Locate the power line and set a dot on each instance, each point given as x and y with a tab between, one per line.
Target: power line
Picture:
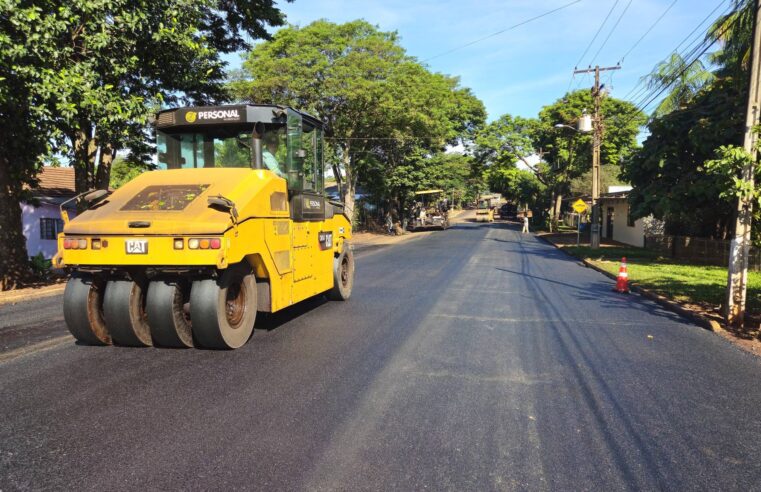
641	88
502	31
613	29
690	59
597	33
641	107
652	26
599	29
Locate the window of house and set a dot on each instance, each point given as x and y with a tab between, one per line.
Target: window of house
49	228
629	218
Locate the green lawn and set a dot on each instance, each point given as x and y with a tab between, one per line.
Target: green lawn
699	284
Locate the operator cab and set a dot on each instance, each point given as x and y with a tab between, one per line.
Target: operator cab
279	139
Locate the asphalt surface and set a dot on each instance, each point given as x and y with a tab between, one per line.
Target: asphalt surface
477	358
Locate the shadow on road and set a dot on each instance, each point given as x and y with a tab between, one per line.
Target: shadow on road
272	321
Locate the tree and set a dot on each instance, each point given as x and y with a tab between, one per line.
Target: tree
383	110
685	81
682	173
564	155
668	173
518	185
125	169
80	79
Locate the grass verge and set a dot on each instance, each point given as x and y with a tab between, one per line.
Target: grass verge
700	285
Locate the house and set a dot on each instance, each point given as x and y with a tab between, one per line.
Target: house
617	222
41	216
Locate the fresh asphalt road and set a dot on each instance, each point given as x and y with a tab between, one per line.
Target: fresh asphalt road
476	358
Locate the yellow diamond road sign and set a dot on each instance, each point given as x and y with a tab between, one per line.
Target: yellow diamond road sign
580	206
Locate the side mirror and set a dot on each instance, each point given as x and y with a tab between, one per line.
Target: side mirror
95	195
219	202
224	203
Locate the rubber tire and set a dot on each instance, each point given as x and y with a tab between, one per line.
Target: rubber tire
124	312
342	287
83	309
164	306
208	309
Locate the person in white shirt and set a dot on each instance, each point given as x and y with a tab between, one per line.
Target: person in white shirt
271	142
525	223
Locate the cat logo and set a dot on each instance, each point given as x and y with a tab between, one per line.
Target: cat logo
190	116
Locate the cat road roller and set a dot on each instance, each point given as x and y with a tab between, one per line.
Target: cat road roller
233	221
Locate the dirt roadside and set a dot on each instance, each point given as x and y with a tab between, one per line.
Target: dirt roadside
362	241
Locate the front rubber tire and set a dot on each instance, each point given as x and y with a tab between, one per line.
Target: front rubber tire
165	308
124	312
83	309
223	311
343	275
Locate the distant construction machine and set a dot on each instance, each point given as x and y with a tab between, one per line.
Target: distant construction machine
431	211
486	206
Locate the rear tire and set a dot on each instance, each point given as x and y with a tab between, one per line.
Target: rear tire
124	312
223	310
343	275
165	308
83	309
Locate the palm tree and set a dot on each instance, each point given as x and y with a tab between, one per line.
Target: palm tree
689	80
734	32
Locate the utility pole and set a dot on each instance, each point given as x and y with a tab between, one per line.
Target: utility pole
737	278
596	142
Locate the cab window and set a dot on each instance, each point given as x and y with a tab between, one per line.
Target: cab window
197	150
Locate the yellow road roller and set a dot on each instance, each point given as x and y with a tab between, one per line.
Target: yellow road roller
233	222
485	209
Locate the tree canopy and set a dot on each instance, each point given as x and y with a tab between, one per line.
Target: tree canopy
686	172
564	155
385	112
80	79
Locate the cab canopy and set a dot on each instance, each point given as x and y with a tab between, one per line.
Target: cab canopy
259	136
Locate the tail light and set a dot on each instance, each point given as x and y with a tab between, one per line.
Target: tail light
204	243
75	244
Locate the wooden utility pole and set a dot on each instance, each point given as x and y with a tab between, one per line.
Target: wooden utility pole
596	142
737	278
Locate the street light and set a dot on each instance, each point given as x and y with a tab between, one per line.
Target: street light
561	125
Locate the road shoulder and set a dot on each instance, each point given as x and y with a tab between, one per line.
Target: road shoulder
698	317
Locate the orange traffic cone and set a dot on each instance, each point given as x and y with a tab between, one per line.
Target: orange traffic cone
622	283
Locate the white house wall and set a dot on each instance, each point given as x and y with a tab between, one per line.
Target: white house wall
634	236
30	217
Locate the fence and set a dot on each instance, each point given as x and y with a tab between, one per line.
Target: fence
699	250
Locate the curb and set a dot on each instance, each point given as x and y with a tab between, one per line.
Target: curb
700	320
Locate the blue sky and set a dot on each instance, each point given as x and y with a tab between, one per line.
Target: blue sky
525	68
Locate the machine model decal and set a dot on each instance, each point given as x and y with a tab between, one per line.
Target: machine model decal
326	240
137	246
311	204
